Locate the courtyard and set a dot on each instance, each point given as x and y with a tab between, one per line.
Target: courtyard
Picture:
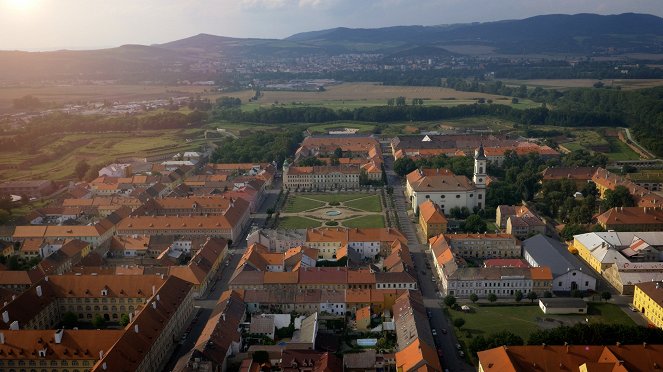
357	209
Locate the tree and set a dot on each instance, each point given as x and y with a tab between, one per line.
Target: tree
92	173
532	296
459	323
606	296
69	319
519	295
81	169
501	193
338	152
619	197
474	223
311	161
450	300
400	101
98	321
474	298
515	100
124	320
404	166
570	230
492	297
260	356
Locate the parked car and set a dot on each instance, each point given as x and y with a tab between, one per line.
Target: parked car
458	347
461	354
633	308
434	332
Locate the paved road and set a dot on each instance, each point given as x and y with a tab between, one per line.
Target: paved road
628	135
429	290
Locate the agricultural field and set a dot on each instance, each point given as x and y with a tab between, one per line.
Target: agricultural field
594	140
60	94
626	84
354	95
100	148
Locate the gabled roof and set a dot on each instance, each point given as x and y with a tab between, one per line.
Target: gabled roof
430	213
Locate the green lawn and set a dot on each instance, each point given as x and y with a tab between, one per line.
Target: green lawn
296	222
522	320
365	221
328	198
367	204
324	128
299	204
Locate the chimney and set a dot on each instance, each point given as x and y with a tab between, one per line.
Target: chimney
158	297
46	278
136	328
14	326
131	317
39	292
58	336
223	316
101	355
5	316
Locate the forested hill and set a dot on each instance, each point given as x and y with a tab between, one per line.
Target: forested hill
556	33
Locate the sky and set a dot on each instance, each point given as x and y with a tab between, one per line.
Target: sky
89	24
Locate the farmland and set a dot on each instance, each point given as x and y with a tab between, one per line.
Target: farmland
627	84
60	94
354	95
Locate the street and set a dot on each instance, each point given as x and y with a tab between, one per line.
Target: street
445	342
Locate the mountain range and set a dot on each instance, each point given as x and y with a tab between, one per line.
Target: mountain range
549	35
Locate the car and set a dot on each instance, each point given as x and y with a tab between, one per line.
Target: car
461	354
429	314
434	332
444	331
633	308
458	347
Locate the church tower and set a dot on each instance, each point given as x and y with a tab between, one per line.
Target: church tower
480	163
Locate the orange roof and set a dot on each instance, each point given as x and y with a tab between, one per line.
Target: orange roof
541	273
362	296
428	210
276	277
361	277
364	312
74	345
418	356
631	216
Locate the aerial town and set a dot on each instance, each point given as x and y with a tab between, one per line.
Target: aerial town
471	194
191	265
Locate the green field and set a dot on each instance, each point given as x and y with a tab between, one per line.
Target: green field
620	151
297	222
324	128
367	204
524	320
331	198
365	221
296	204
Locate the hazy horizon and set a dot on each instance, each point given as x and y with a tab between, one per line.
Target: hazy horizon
41	25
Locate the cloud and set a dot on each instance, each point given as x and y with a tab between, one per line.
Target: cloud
283	4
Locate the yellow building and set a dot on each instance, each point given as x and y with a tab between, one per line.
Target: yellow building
648	298
431	220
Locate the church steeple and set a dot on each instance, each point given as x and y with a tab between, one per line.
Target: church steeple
480	163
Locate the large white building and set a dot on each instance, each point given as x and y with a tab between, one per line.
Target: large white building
448	190
567	270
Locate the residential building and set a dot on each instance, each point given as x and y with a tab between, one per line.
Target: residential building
632	219
533	358
115	170
605	180
519	221
324	177
480	245
648	299
431	220
622	258
579	175
31	189
416	347
276	240
363	318
569	273
368	242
